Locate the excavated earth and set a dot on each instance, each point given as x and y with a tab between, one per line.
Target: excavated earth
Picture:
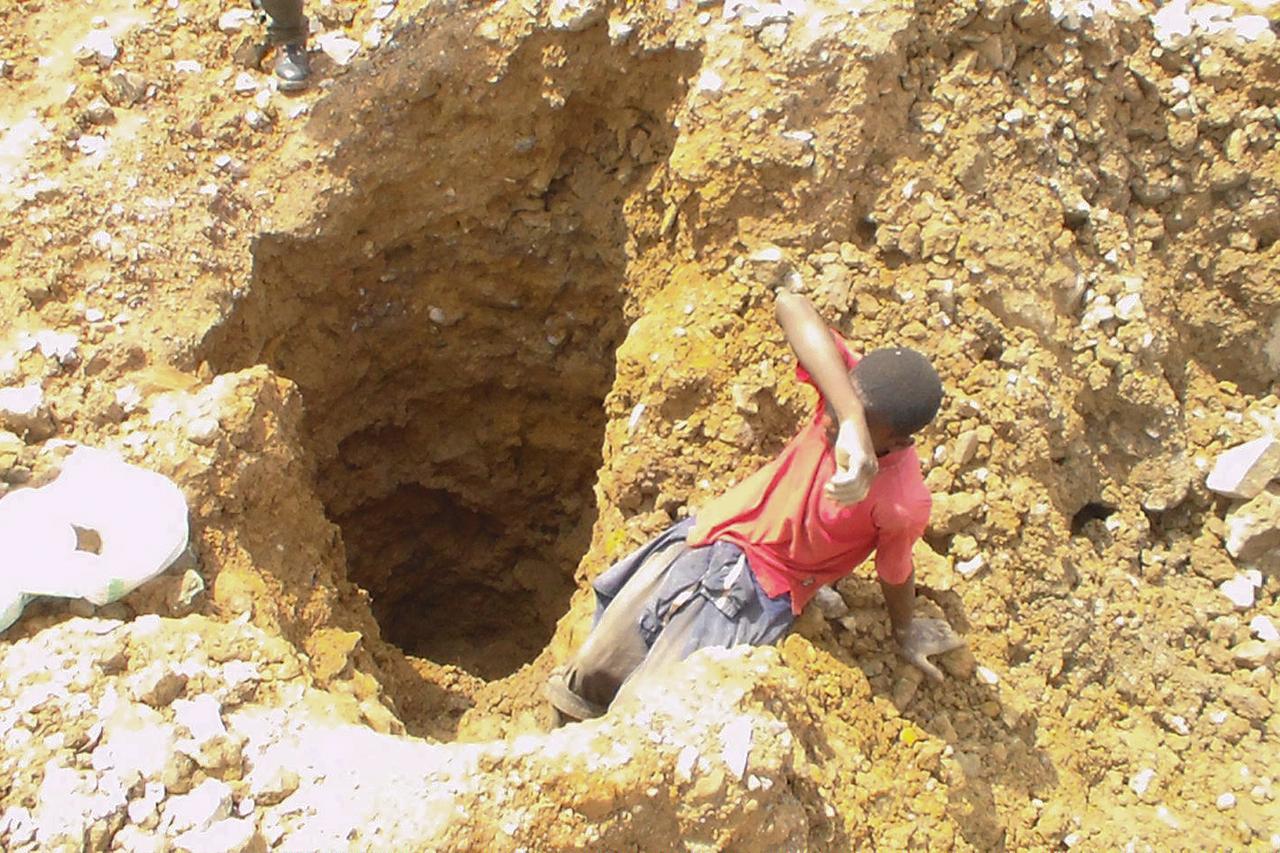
429	345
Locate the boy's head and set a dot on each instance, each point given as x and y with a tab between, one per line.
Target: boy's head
900	394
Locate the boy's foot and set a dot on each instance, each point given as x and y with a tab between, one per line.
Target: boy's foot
292	66
568	703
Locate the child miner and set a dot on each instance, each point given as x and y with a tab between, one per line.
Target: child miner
848	484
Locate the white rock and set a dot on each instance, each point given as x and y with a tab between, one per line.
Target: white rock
90	144
187	66
709	81
23	410
202	717
245	83
17	825
270	781
1139	782
1239	590
1244	471
685	762
132	839
206	804
234	835
60	346
234	20
575	15
203	430
141	809
735	743
830	603
1253	528
1226	801
766	254
101	46
338	47
987	676
969	568
1264	629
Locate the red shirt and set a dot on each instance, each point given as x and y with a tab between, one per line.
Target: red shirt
796	539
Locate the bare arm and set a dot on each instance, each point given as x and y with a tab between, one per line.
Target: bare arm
811	341
918	639
900	601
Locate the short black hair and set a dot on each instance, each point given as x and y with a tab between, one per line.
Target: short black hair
899	388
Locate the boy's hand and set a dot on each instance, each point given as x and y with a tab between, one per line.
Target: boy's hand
924	638
856	465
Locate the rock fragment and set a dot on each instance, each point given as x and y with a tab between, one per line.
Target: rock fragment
1239	590
24	411
232	835
1244	471
97	47
124	88
830	603
338	47
205	805
1253	528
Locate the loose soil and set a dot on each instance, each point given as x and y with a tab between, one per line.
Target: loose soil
492	304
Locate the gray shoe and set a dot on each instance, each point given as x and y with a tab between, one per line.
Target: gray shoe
292	66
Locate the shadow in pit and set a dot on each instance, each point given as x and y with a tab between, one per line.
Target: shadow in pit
449	308
991	744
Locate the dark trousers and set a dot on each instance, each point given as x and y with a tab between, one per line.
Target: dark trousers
287	24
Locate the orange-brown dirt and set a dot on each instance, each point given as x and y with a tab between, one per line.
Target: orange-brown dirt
431	344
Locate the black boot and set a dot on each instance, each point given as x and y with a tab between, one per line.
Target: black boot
292	66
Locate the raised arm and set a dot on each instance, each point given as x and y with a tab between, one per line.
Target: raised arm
811	341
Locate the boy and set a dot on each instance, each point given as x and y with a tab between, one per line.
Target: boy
847	484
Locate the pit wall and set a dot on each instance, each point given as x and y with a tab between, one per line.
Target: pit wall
1074	221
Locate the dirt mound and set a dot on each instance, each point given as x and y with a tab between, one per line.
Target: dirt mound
429	346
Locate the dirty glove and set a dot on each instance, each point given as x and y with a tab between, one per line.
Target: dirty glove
924	638
856	465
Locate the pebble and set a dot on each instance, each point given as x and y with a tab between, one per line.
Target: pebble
125	88
987	676
90	144
98	47
1239	590
970	567
830	603
1141	781
338	47
965	447
99	112
1226	801
1264	629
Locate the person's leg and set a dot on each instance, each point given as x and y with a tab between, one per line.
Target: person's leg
616	645
728	608
287	30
